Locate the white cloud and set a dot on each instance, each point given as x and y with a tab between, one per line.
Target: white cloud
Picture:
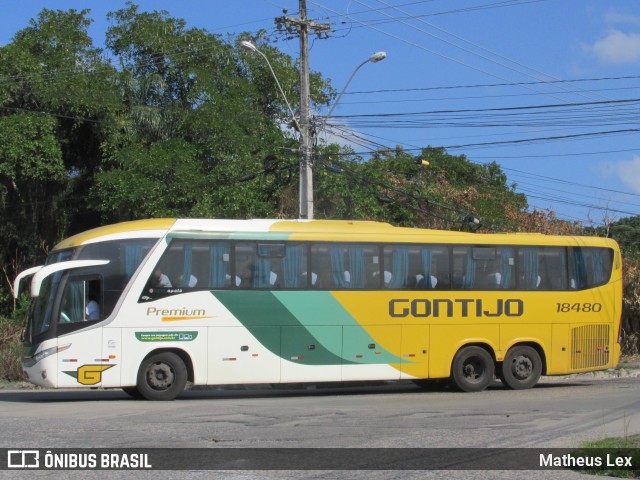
614	17
628	171
617	47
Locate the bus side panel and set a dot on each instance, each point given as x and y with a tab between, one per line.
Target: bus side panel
558	360
312	353
415	351
81	364
237	355
532	333
446	340
367	352
138	343
112	351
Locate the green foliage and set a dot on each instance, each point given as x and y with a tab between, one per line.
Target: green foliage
51	109
626	446
200	114
626	232
29	149
394	186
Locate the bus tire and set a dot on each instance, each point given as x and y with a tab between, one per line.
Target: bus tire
162	376
472	369
521	368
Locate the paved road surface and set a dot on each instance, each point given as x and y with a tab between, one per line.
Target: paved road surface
555	414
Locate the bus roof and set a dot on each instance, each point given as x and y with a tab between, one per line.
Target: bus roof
156	227
322	230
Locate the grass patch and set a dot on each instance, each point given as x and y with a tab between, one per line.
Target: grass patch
608	449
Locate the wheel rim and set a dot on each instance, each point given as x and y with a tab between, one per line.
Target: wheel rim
160	376
473	370
522	367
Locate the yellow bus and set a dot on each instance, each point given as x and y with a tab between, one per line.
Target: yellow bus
150	305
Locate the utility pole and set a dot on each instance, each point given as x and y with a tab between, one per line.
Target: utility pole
301	26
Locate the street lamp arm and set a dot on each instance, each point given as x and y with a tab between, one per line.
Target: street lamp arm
376	57
253	48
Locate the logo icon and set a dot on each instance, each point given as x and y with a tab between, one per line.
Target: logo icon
89	374
23	459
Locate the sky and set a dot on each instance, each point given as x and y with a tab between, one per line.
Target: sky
548	89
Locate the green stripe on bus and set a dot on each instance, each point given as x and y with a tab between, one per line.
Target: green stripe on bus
311	322
314	309
299	344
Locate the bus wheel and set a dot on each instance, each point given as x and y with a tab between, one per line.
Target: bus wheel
162	377
521	368
472	369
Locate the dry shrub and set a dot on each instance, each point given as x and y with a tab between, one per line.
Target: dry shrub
10	349
631	308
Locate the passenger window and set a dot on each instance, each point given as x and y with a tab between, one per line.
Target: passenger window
413	267
272	266
553	268
589	267
346	266
191	265
484	268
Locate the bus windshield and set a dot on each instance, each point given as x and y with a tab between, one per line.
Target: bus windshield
41	307
70	298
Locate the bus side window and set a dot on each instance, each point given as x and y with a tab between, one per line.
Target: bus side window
320	267
589	267
553	268
294	268
352	266
81	300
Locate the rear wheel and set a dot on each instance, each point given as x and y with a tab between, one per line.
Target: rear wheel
162	377
472	370
521	368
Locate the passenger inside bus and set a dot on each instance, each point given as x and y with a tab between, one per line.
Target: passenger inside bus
420	281
160	279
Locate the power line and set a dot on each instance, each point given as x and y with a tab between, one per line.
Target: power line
496	109
479	97
490	85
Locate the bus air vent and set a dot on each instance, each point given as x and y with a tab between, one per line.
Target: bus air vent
589	346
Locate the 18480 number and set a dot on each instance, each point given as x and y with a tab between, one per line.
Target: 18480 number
578	307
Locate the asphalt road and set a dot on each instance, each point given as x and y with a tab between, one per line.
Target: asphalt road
555	414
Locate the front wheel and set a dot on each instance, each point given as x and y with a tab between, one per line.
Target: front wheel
472	369
162	377
521	368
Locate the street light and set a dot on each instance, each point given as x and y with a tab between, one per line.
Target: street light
306	171
375	58
304	127
251	47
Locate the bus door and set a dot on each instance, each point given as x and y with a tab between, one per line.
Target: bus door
80	361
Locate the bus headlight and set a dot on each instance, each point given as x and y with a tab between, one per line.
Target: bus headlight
44	354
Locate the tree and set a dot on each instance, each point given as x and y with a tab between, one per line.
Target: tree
395	186
201	115
55	92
